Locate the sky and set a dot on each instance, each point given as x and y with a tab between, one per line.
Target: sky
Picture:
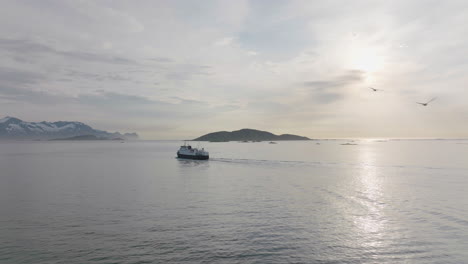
181	69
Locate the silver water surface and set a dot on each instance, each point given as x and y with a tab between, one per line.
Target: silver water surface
291	202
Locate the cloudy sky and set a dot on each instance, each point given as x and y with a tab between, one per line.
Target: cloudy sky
180	69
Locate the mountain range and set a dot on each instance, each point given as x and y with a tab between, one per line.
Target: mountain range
14	128
247	134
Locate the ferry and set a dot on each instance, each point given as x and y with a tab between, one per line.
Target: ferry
187	152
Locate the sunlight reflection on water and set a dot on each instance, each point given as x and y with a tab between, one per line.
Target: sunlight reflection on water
371	222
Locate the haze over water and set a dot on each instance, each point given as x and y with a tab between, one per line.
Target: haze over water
293	202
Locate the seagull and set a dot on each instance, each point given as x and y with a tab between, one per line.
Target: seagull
425	104
375	90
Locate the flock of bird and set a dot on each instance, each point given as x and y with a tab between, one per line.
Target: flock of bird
423	104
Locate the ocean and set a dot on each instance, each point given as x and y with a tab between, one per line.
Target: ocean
379	201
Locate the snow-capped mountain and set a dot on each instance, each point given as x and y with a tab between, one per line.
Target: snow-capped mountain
14	128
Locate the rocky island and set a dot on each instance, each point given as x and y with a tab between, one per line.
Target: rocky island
247	134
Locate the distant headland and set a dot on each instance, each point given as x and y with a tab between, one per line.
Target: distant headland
86	138
12	128
247	134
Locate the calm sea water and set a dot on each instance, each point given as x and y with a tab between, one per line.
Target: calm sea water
293	202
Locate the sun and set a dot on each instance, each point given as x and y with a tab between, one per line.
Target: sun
366	58
367	63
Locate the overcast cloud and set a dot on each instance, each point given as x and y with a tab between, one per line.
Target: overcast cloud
179	69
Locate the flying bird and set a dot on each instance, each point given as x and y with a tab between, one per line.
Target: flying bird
375	90
426	103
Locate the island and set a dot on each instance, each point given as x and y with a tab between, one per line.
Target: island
247	134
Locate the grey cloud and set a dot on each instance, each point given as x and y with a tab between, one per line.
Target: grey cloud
186	101
184	72
65	80
226	108
15	85
179	76
161	59
327	97
85	75
142	107
100	99
269	107
124	105
97	77
23	60
28	51
115	99
87	56
19	77
22	47
30	96
141	71
329	91
350	77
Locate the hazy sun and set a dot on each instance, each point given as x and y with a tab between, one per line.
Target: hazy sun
366	58
367	63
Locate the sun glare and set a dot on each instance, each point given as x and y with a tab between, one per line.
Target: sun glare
367	62
366	58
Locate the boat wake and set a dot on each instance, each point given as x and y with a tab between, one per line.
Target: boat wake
259	162
292	163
